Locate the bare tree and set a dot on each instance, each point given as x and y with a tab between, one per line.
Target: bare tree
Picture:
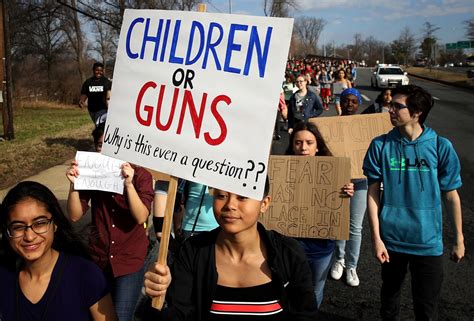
357	48
469	28
72	27
279	8
428	44
105	44
403	48
373	50
308	30
37	32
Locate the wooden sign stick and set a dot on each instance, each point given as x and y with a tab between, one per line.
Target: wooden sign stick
157	302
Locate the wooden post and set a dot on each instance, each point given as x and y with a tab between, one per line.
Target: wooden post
5	74
157	302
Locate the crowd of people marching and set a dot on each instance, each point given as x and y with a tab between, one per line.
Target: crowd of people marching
224	265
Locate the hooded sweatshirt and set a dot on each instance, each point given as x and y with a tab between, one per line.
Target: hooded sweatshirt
413	173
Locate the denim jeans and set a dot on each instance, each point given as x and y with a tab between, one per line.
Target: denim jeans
350	249
125	292
320	268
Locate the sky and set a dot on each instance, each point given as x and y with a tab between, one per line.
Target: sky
382	19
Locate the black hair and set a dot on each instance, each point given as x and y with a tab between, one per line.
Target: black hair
418	100
323	149
97	65
379	98
65	239
98	132
266	190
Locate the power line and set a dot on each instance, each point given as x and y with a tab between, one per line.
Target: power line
87	14
212	5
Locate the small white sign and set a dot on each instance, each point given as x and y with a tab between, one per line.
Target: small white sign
98	172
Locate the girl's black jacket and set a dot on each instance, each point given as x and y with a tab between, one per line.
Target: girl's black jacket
195	277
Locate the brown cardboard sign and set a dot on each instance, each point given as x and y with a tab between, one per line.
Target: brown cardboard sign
350	136
306	197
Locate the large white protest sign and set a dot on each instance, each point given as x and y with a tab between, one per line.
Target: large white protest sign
99	173
195	95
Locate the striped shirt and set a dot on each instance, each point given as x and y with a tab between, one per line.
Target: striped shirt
259	302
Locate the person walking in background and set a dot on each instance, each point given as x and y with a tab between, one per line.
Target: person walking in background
196	210
346	255
304	104
325	80
45	270
120	245
96	90
353	74
306	140
418	169
382	103
338	86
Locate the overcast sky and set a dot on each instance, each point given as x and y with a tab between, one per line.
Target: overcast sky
382	19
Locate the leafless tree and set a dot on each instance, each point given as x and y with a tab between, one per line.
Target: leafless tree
308	30
279	8
72	26
428	44
469	28
37	32
357	49
105	44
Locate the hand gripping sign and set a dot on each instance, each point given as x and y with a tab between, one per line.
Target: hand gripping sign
195	96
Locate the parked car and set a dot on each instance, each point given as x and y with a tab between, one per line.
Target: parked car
470	61
388	76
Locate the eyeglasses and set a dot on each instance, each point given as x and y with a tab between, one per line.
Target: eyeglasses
300	81
16	230
397	106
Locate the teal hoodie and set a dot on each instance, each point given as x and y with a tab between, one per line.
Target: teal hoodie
413	174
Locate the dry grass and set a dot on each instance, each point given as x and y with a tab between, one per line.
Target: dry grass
44	137
443	75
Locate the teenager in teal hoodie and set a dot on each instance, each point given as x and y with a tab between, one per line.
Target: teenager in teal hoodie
417	169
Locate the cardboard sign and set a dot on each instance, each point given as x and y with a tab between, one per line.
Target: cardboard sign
306	197
350	136
98	172
195	95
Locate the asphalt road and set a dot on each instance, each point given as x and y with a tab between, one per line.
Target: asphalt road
452	117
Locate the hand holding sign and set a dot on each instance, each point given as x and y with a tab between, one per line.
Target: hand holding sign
94	171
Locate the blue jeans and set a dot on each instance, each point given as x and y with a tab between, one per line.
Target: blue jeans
350	249
320	268
125	292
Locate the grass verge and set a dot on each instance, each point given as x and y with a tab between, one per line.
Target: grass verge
45	135
442	75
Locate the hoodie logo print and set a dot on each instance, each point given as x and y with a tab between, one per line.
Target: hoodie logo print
409	164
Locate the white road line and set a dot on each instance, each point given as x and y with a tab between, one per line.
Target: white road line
367	98
436	98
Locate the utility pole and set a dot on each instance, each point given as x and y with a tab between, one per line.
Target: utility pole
230	6
5	75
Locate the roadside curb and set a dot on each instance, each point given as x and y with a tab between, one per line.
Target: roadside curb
447	83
